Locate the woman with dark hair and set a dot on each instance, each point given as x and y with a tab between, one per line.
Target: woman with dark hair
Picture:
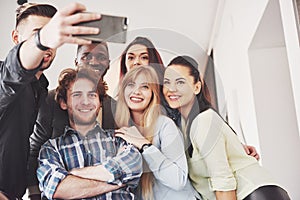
219	168
139	52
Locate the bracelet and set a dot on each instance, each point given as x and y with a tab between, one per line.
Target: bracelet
144	147
38	41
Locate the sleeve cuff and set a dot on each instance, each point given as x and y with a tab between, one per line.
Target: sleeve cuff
115	171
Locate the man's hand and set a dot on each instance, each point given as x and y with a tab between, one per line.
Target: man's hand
60	28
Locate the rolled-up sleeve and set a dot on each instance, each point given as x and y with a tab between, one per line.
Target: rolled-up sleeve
211	142
222	177
126	166
51	170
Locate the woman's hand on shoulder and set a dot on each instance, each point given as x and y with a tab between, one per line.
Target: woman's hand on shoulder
131	135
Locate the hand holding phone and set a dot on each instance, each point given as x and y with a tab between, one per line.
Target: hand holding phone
112	29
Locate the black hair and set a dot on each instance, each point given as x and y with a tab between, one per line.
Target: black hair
203	98
28	9
93	43
155	60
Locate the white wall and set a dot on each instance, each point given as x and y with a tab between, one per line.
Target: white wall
293	51
239	22
258	69
169	24
276	117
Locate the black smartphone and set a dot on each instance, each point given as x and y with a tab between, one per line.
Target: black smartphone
112	29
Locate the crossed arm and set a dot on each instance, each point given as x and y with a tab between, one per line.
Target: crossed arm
57	182
84	182
73	187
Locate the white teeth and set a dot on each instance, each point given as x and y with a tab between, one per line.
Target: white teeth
173	97
85	110
136	99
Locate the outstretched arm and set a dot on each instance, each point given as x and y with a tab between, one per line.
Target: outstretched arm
57	32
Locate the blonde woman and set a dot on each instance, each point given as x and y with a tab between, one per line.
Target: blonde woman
138	112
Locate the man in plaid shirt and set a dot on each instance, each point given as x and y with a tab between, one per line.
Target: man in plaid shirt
86	160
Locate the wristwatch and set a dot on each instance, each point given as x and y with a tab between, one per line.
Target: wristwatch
38	43
144	147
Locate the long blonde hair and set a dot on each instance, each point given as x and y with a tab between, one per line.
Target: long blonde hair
150	116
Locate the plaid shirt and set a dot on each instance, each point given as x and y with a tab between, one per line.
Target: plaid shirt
71	150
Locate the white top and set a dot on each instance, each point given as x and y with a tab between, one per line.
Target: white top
219	161
167	160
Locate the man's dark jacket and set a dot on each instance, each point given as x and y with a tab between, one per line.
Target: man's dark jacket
20	97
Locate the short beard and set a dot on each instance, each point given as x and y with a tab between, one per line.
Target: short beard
78	121
43	69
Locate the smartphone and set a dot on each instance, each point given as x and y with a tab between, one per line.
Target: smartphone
112	29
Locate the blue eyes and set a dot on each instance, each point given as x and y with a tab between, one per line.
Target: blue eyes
142	87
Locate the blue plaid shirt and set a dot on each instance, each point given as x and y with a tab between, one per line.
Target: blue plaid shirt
71	150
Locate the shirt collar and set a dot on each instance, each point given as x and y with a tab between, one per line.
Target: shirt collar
44	81
69	131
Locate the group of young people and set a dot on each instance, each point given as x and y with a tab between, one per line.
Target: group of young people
159	139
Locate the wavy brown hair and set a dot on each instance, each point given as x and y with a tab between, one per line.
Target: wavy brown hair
69	75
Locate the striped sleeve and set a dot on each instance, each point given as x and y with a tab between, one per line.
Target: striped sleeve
126	166
51	170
